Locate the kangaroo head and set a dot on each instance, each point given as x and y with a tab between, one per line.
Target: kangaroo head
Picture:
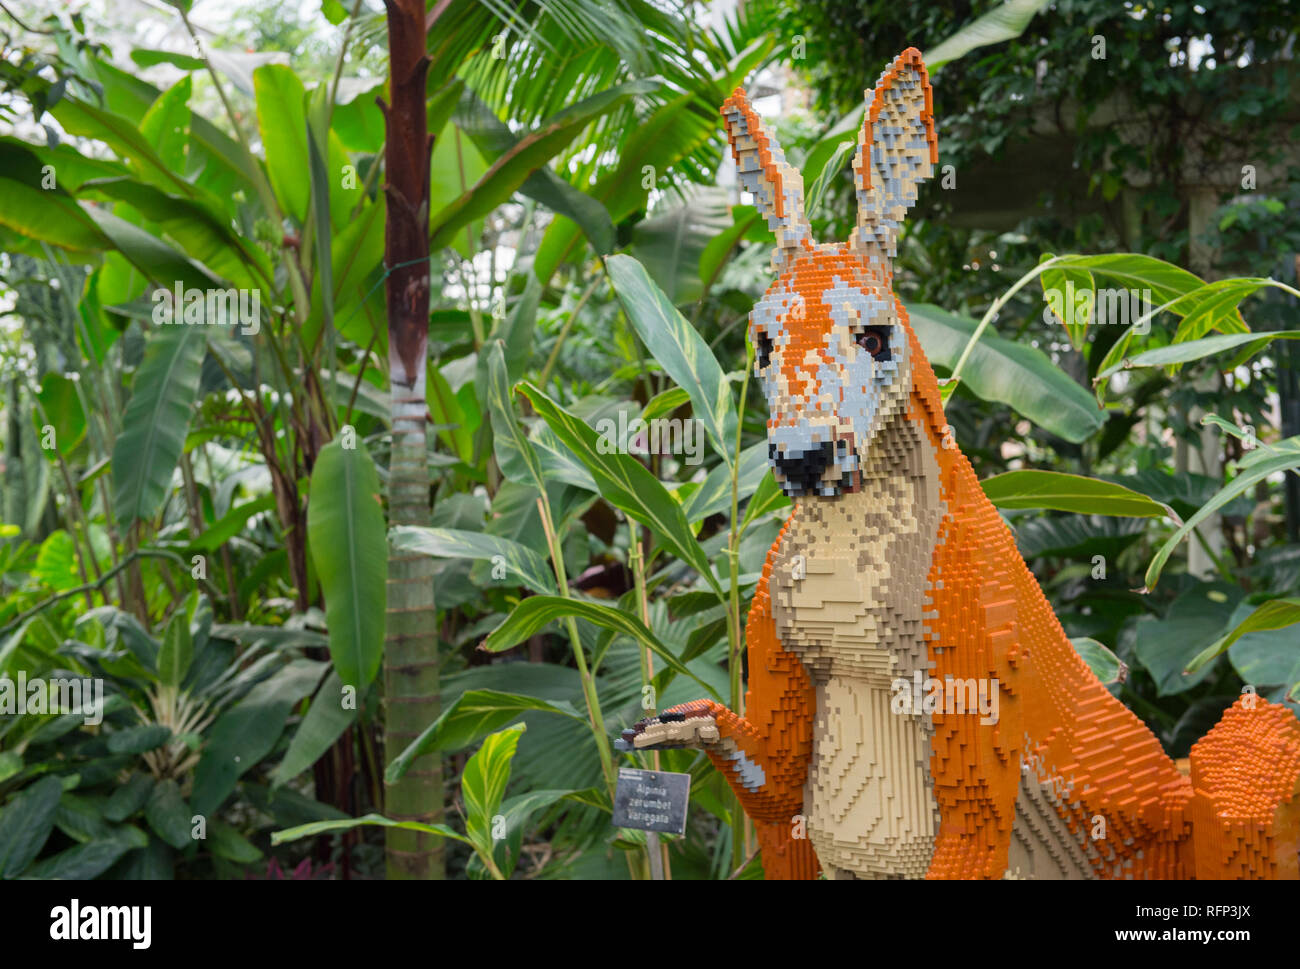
833	350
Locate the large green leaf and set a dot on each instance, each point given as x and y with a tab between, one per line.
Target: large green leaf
128	798
227	167
1006	22
1105	665
1184	493
166	125
1164	286
282	122
168	814
1266	656
845	131
827	174
483	784
345	525
9	647
324	723
231	524
671	132
1180	353
156	260
72	168
1070	492
11	762
672	241
768	497
206	236
56	562
40	209
79	817
278	637
515	811
535	612
48	216
137	740
514	452
1076	536
1020	376
357	118
713	496
745	224
514	333
148	58
1062	288
494	138
83	862
1214	307
1140	273
320	201
1272	615
523	565
177	650
156	421
680	350
247	732
125	137
1166	646
625	483
326	827
26	822
1262	463
531	152
226	842
456	166
473	715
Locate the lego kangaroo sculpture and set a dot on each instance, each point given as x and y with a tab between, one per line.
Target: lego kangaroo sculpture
893	569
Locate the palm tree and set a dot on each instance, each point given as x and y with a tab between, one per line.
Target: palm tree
411	648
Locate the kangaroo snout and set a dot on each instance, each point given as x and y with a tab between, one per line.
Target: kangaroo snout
800	471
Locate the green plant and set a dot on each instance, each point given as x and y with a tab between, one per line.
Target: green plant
493	825
166	775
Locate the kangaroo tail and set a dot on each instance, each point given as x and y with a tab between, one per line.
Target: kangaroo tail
1246	808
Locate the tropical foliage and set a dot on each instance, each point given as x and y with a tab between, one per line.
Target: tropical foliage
204	519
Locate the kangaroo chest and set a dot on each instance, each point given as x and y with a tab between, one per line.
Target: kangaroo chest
848	598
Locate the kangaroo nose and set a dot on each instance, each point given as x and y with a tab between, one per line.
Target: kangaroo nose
801	469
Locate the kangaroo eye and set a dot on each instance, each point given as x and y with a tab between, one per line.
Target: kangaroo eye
875	340
764	350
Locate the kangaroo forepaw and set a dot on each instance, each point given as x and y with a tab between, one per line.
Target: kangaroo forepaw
669	730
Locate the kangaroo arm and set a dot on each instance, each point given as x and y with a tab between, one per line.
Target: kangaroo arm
764	755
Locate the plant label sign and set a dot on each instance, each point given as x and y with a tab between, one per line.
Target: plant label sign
651	800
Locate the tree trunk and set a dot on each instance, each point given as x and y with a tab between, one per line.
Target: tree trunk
411	647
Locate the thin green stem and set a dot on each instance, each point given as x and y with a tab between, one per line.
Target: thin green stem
343	49
564	332
1219	565
134	555
992	311
369	183
636	560
579	656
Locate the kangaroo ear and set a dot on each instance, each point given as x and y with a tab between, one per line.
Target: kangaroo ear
897	150
776	185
